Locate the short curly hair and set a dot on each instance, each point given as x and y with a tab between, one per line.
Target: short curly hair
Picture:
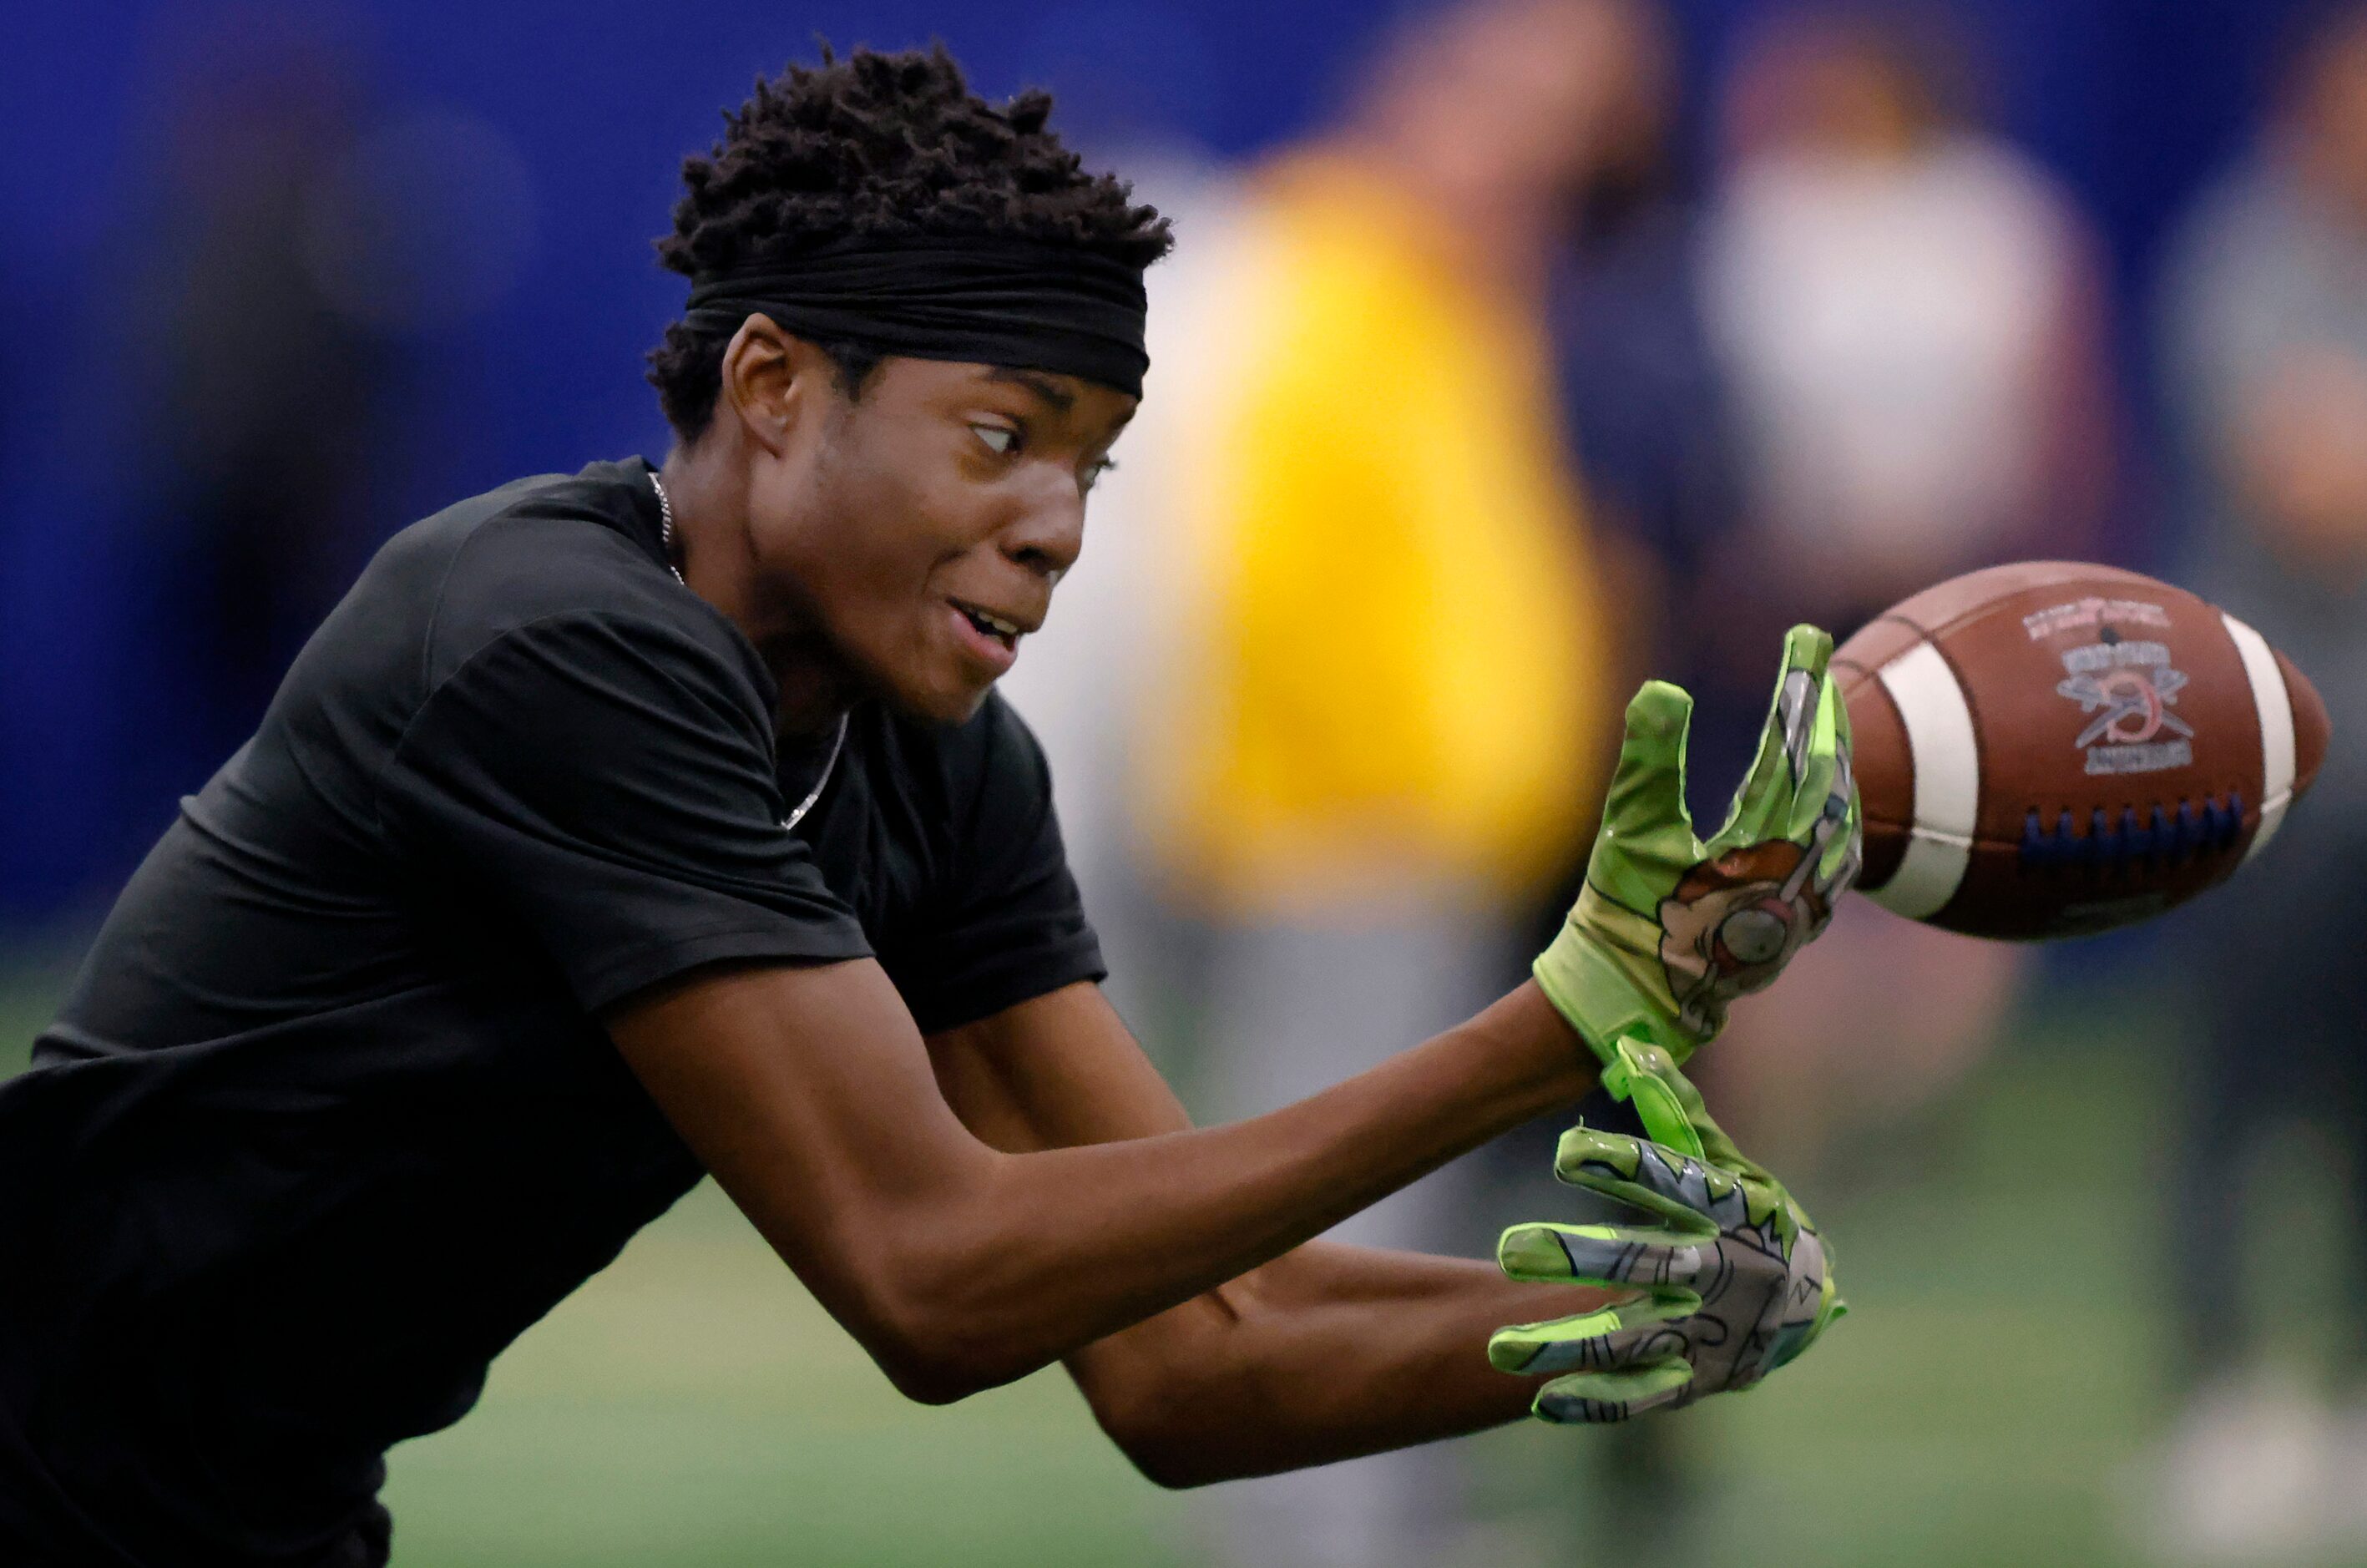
876	144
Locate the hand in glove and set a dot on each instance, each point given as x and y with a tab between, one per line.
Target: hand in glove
1670	929
1733	1282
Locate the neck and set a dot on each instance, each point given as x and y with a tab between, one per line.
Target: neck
713	552
811	711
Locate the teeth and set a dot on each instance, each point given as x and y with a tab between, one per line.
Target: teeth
993	623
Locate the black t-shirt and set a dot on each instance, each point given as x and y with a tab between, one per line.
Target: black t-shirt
329	1118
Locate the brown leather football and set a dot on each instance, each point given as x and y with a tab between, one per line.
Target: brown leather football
2049	749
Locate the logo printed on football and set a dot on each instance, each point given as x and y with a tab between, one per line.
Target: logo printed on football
2049	749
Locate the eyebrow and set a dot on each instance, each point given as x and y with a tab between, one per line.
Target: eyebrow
1051	390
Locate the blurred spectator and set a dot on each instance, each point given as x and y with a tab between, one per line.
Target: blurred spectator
1907	312
1383	715
256	396
1653	429
300	233
2264	355
1910	313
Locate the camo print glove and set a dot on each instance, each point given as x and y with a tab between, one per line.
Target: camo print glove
1732	1283
1669	929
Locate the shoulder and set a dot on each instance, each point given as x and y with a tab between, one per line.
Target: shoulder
551	547
565	554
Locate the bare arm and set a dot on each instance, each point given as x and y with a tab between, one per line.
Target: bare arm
811	1096
1326	1353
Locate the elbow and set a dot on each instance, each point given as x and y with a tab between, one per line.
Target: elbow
929	1364
926	1379
1151	1422
1168	1458
1172	1469
1181	1422
1188	1398
951	1299
937	1348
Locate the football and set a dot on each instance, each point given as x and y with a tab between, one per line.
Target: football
2049	749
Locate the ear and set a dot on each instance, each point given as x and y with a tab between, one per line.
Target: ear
771	379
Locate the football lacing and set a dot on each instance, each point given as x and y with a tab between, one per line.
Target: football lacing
2211	828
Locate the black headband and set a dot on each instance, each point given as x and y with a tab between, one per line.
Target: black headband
994	302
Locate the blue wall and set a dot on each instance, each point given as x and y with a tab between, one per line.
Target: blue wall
2132	101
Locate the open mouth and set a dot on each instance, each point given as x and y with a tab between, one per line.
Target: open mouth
1006	632
993	639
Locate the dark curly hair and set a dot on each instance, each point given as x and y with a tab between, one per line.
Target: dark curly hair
878	145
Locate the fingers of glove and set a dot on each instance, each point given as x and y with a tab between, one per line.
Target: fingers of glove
1855	852
1840	852
1816	798
1844	737
1626	1336
1763	802
1594	1398
1658	1105
1698	1201
1792	1339
1843	847
1813	1304
1668	1105
1671	1109
1604	1256
1660	1180
1645	810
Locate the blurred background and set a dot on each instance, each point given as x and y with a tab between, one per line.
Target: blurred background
1514	350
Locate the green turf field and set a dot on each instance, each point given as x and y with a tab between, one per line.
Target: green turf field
692	1407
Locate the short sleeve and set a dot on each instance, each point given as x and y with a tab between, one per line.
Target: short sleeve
1008	923
608	780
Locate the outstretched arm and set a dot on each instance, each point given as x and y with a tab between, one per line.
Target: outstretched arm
811	1096
1326	1353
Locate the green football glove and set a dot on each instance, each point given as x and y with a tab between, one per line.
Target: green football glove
1734	1282
1669	929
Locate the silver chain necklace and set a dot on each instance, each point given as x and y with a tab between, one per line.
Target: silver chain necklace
838	742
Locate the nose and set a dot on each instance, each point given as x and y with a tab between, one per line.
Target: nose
1047	536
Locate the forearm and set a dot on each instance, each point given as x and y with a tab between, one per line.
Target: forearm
1067	1245
1076	1200
1330	1352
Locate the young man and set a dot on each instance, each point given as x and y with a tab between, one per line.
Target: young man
628	826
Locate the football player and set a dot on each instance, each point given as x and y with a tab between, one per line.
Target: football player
661	820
